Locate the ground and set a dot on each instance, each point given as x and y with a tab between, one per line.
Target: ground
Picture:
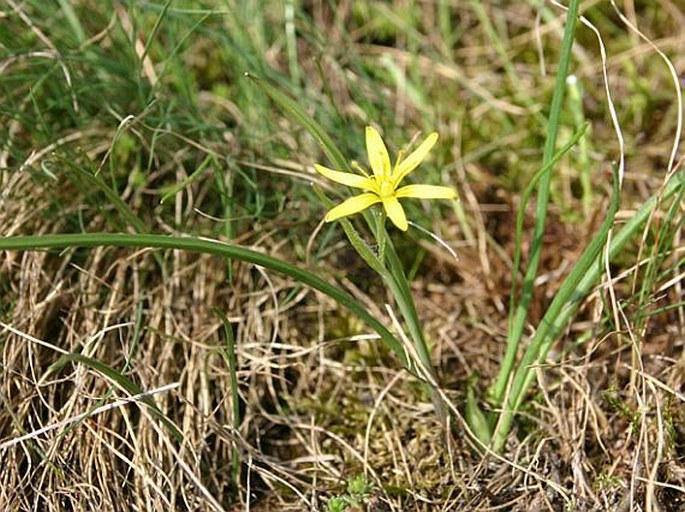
143	378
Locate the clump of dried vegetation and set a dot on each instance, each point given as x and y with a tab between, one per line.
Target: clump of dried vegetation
135	117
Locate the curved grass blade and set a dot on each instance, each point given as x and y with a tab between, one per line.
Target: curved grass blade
208	247
124	383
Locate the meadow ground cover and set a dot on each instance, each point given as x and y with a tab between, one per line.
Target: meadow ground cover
181	329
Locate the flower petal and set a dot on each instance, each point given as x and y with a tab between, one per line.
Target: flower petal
346	178
417	156
395	211
427	192
378	153
352	205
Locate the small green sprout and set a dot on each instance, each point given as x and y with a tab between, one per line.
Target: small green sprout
359	490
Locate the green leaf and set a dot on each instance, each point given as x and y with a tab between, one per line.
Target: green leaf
553	322
78	175
518	320
496	393
208	247
175	189
124	383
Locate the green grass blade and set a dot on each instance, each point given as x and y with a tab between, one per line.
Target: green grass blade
72	19
78	176
498	388
476	418
575	105
291	40
124	383
232	361
187	181
153	33
577	286
516	328
552	324
215	248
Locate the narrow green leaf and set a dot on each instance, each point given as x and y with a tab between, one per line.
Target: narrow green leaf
184	183
498	389
124	383
70	15
208	247
553	322
476	418
78	175
232	361
571	295
542	200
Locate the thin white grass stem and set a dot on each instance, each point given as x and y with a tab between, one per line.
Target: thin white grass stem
30	338
437	239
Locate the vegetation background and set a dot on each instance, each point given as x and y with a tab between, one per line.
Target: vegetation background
137	117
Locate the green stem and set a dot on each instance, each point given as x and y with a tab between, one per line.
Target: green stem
232	361
396	280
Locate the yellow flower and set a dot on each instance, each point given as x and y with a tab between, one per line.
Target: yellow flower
382	186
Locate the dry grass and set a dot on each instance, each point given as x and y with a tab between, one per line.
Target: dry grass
320	400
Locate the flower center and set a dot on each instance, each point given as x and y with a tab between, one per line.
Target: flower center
385	188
